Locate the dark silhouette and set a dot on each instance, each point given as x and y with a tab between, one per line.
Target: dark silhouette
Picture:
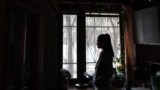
104	67
65	76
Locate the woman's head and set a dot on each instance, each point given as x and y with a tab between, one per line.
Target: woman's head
104	42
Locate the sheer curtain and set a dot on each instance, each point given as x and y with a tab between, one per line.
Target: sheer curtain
70	44
96	25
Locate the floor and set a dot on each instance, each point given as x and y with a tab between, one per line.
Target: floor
88	88
141	88
74	88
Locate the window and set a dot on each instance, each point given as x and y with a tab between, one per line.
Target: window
100	23
70	44
96	23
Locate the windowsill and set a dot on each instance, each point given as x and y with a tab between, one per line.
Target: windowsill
140	88
156	63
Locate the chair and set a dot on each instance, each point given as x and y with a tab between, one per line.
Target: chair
65	76
155	81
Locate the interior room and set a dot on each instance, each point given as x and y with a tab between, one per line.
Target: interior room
51	44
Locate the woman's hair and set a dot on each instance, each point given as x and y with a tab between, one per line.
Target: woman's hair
105	38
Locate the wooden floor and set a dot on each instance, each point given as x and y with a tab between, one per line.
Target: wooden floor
74	88
88	88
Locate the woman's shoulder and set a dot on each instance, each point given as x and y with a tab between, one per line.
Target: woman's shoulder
107	54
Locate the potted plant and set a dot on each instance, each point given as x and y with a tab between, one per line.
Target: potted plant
119	64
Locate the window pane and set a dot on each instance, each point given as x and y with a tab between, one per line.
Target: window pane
70	44
69	20
90	68
73	71
90	21
94	27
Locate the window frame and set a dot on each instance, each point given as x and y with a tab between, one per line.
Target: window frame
81	62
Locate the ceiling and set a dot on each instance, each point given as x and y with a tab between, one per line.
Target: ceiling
110	1
98	1
105	5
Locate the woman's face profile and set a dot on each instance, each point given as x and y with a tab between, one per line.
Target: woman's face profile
99	44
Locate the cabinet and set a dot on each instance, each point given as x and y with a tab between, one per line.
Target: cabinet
146	26
146	54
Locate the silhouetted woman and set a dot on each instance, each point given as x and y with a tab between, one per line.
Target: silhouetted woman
104	67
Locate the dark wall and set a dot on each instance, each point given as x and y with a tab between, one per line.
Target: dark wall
51	47
46	66
146	49
145	54
3	40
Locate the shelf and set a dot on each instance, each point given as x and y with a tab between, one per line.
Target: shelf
151	62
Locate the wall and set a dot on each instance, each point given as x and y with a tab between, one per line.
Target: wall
3	40
46	66
146	49
144	54
51	59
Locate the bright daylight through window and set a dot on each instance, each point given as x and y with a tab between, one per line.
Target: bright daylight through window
96	23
